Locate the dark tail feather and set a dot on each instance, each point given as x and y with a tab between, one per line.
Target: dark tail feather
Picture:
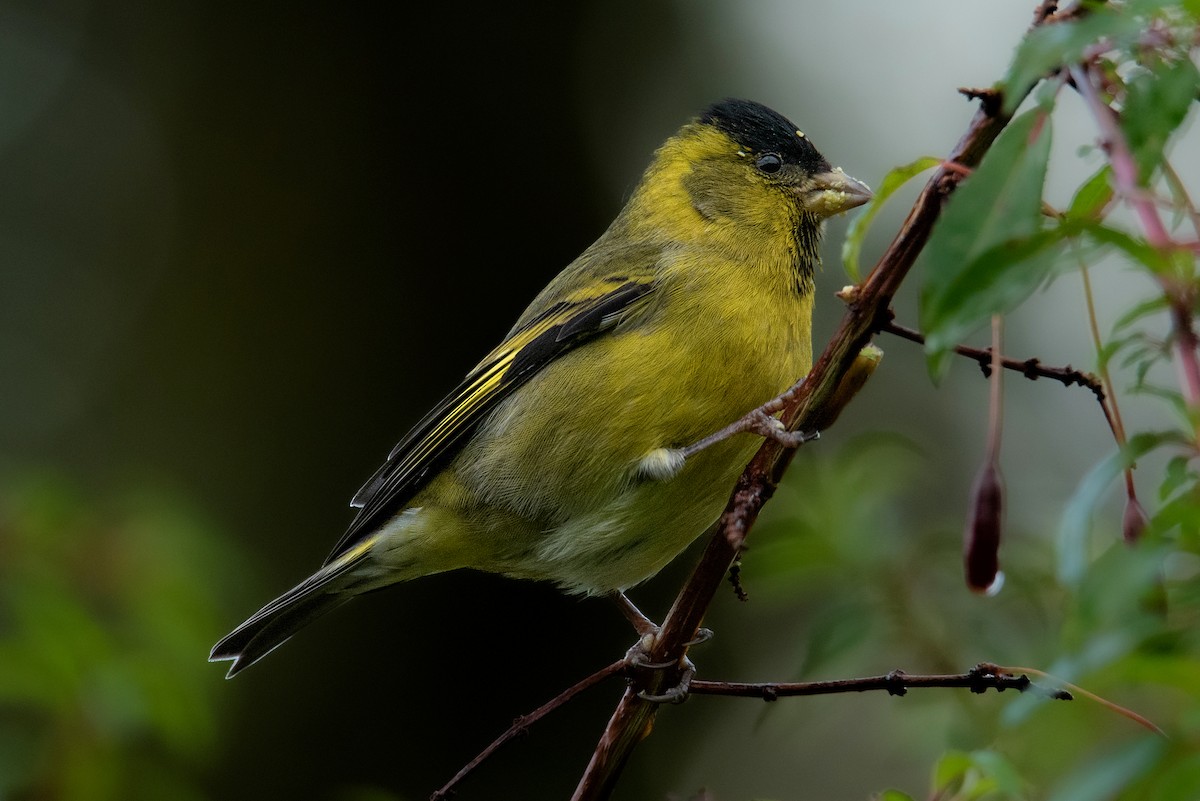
272	625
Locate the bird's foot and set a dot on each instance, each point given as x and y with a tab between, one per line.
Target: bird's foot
674	674
772	428
676	693
761	421
643	671
648	672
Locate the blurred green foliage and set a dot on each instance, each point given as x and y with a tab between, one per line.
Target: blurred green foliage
1120	619
106	610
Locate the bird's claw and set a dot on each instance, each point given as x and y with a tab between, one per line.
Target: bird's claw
676	694
638	659
638	656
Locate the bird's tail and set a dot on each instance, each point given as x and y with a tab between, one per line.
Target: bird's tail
271	626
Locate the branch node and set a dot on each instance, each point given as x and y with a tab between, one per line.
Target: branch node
985	362
983	677
986	676
989	99
895	683
848	294
1044	11
735	579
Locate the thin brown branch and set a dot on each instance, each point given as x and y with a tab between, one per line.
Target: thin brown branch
979	679
1114	418
1032	369
521	724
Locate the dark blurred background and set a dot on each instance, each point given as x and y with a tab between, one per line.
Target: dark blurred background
244	246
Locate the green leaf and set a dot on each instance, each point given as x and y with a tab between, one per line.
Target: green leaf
1110	606
1177	474
997	281
1181	513
950	771
1154	305
857	232
1049	47
989	227
894	795
977	775
1000	771
1073	531
1182	265
1134	248
1155	6
1093	197
1173	397
1104	778
1156	104
1140	348
1179	781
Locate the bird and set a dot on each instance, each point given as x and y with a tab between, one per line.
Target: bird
562	456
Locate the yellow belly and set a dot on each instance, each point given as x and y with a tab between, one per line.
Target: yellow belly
548	487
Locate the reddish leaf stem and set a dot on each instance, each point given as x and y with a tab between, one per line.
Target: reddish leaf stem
1144	207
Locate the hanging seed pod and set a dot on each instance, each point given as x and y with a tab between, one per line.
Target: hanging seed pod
1134	521
981	540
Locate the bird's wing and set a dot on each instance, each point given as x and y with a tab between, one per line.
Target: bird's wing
439	436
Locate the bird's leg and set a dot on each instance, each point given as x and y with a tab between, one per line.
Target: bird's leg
641	624
644	625
758	421
663	464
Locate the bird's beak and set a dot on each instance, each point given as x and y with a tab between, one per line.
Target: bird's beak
832	192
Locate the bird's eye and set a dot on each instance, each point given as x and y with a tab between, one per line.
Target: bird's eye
769	163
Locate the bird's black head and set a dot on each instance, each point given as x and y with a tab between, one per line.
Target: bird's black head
763	132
